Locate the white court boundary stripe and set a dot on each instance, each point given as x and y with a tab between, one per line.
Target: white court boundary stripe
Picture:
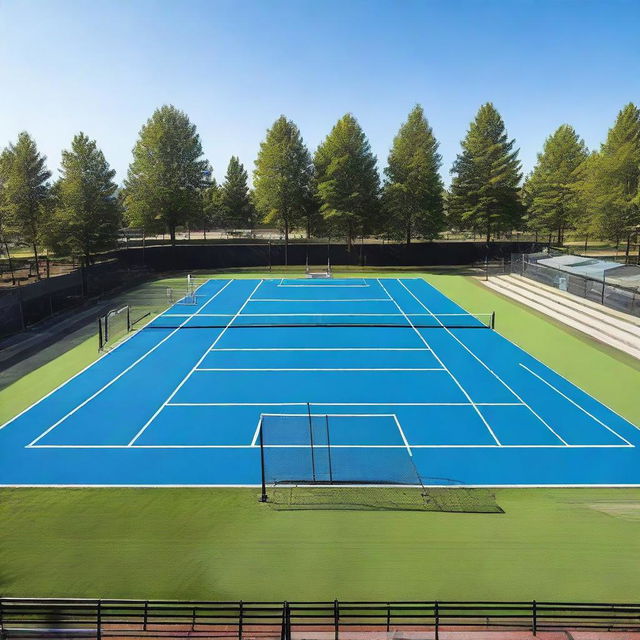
197	364
442	364
320	300
326	349
500	447
487	367
575	404
320	369
345	404
99	391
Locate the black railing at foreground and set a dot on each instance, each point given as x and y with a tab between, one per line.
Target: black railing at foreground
86	618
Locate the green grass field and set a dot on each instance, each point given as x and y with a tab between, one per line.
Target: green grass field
556	544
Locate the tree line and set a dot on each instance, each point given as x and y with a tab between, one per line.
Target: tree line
335	191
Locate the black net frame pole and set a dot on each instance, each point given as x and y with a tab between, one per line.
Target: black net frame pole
128	318
326	421
263	495
313	454
100	335
493	319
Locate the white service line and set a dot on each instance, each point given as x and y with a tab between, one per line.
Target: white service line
575	404
346	404
486	424
490	370
204	355
228	369
326	349
320	300
131	366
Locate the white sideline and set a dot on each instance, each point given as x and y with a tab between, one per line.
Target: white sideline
204	355
489	369
487	425
140	359
575	404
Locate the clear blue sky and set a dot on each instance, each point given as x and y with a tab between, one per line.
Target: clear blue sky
234	66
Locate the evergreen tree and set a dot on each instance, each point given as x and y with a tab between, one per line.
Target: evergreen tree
282	179
413	191
25	191
609	189
212	209
485	188
236	202
6	228
164	181
86	212
551	197
347	180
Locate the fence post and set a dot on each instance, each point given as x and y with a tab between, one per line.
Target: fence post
145	616
436	620
534	615
193	619
240	620
388	616
604	280
336	619
99	620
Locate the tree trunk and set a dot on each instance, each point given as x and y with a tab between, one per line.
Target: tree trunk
488	232
408	235
6	248
35	253
586	243
172	235
626	251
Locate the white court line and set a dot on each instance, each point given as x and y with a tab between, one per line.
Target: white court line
197	364
487	425
305	315
345	404
320	300
575	404
337	446
489	369
99	391
404	438
227	369
325	349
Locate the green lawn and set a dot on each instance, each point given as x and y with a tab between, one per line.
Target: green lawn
557	544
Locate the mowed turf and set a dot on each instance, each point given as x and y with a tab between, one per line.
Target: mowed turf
553	544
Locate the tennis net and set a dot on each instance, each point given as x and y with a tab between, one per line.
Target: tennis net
298	320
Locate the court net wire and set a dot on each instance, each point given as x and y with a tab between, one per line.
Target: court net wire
113	326
395	320
306	465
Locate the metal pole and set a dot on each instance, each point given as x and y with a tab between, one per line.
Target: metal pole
313	461
534	613
326	420
263	496
436	620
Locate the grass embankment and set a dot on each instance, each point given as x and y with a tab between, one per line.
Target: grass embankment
556	544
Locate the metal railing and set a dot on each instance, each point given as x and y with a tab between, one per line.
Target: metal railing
85	618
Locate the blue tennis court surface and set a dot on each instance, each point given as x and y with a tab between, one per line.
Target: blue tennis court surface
394	361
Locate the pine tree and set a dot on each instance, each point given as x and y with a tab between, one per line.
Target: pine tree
6	227
413	190
347	180
282	179
212	207
86	212
551	197
25	191
164	181
611	179
485	188
236	202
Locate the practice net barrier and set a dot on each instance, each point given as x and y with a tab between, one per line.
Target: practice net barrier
314	461
294	320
